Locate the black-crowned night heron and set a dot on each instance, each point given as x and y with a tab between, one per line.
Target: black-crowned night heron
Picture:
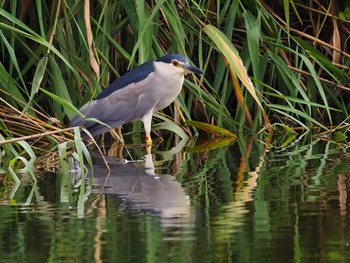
139	93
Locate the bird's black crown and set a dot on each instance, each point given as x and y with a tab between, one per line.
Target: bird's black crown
170	57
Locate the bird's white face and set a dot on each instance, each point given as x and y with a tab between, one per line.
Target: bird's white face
185	67
170	71
176	68
181	67
170	75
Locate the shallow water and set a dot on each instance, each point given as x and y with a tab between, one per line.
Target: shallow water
233	204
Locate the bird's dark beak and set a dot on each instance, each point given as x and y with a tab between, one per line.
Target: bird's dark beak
194	69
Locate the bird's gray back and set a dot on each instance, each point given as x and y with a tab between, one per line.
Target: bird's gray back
139	73
122	106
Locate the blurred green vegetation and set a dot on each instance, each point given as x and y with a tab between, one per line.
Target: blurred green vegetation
268	64
283	63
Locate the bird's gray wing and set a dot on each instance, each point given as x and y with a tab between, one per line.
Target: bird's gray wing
120	107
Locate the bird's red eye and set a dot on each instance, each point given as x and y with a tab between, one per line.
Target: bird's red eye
175	63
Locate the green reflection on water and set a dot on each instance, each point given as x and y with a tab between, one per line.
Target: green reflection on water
233	204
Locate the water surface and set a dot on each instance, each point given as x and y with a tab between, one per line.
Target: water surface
234	204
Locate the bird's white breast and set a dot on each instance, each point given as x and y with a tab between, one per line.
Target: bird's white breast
167	83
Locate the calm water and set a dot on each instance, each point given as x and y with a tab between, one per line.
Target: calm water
233	204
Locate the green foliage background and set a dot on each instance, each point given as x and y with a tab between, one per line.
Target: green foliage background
57	55
295	53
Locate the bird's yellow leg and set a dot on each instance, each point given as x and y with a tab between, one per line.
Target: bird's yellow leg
149	141
147	120
117	135
116	150
148	144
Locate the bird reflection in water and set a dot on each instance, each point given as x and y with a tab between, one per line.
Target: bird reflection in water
141	188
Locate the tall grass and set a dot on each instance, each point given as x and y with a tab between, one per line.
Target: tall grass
265	63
